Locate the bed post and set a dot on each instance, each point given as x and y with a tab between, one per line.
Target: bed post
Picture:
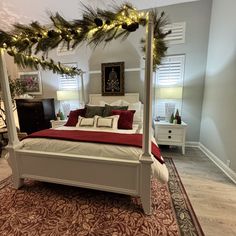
13	140
146	161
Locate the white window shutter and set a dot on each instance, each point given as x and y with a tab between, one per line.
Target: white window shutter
169	74
177	35
68	82
171	71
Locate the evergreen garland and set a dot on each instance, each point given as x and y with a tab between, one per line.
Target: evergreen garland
25	42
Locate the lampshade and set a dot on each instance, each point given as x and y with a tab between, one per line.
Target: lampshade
170	93
65	95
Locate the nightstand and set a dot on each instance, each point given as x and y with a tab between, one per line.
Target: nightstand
170	134
57	123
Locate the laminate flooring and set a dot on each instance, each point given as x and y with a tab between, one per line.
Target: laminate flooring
212	194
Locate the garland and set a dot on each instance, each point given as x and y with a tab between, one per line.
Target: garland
25	42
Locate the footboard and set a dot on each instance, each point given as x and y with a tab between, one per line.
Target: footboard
120	176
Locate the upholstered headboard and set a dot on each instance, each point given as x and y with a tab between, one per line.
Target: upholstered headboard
94	99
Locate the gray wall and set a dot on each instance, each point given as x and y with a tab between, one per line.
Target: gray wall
197	18
218	132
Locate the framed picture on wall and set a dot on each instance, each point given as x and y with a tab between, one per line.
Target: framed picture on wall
113	79
32	82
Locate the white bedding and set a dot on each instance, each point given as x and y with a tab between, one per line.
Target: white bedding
94	149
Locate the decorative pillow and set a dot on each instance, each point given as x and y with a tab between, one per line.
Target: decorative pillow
108	109
138	116
85	122
73	117
92	111
110	122
126	118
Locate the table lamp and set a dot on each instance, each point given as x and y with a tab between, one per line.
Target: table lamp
65	96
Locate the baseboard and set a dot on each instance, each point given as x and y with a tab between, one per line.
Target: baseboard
229	172
191	144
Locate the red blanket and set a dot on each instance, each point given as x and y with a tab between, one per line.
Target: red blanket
97	137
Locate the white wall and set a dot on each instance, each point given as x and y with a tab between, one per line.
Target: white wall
218	129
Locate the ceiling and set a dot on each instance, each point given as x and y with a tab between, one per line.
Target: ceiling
25	11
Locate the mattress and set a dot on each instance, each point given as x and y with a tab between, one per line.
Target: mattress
94	149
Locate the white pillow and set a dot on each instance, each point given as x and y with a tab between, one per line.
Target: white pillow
138	107
85	122
110	122
115	103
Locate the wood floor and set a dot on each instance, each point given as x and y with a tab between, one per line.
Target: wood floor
211	193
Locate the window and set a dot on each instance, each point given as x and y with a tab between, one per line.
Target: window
69	93
177	35
169	85
67	82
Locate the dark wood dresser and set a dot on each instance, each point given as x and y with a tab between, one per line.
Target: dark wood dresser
35	114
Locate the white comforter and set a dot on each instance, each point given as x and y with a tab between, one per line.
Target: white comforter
95	149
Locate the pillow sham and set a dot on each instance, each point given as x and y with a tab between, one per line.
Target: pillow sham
73	117
85	122
108	109
110	122
126	118
92	111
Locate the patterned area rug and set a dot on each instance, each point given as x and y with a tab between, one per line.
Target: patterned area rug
50	209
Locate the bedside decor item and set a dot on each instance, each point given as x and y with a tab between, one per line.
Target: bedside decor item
31	81
177	117
171	118
113	79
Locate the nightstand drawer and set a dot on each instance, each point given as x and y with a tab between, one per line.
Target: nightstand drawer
169	138
170	131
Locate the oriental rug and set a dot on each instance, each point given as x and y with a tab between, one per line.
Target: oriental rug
50	209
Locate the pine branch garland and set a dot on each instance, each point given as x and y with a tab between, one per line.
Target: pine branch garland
96	27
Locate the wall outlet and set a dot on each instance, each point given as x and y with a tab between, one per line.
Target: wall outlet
228	163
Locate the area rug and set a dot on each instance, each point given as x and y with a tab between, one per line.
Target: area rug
50	209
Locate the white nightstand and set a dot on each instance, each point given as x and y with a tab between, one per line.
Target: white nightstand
57	123
170	134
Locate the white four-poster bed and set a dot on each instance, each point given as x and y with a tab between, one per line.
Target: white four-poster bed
132	177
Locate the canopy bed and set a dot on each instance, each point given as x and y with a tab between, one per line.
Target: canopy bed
127	176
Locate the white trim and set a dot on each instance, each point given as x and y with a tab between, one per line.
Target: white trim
216	160
126	70
192	144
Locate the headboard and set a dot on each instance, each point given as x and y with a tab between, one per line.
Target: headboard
94	99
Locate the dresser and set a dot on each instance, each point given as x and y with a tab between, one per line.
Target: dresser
35	114
170	134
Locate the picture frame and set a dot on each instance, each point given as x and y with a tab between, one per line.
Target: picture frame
113	79
32	82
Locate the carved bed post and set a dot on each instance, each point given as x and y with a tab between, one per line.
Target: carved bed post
145	181
11	127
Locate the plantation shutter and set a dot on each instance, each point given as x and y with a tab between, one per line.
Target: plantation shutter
67	82
177	33
169	74
171	71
